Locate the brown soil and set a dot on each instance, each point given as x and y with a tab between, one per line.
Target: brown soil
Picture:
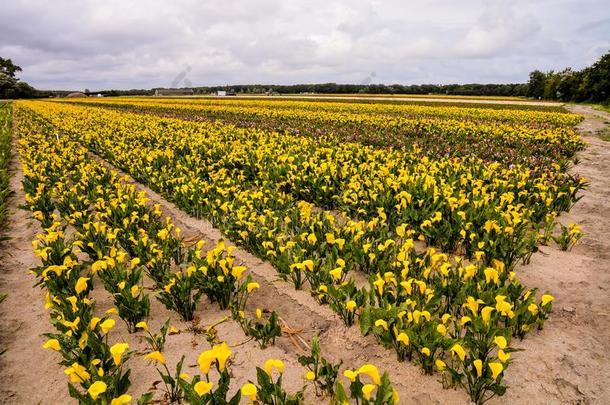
567	362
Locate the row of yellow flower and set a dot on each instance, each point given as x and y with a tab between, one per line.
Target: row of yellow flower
455	204
463	112
5	154
506	143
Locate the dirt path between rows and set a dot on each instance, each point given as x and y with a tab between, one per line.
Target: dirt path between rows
566	363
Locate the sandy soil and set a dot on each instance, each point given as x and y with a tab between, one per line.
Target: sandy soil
567	362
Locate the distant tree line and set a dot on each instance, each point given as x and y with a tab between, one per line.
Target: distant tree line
590	84
516	89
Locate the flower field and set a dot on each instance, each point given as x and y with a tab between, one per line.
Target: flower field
406	220
508	136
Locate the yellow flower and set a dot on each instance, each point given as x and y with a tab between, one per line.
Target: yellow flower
395	396
134	291
403	338
425	351
163	234
533	308
142	325
117	351
73	300
222	354
259	313
121	285
94	321
504	357
274	363
205	361
97	388
459	350
82	342
336	273
382	323
107	325
464	320
491	275
156	355
351	305
122	400
496	369
173	330
77	373
440	328
52	344
500	341
478	364
312	238
371	371
486	314
473	304
237	271
249	390
367	389
81	284
202	387
48	301
252	286
546	299
99	265
308	264
350	375
310	376
440	365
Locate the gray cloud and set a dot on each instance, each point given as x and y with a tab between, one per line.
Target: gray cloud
141	44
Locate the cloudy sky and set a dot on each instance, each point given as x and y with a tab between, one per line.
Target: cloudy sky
101	44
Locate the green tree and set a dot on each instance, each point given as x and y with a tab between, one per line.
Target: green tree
535	86
598	78
8	68
11	86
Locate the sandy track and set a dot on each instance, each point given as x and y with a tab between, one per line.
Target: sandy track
564	363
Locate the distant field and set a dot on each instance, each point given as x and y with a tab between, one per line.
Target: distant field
465	101
441	96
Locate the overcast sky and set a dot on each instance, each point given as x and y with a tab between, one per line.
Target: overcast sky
102	44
